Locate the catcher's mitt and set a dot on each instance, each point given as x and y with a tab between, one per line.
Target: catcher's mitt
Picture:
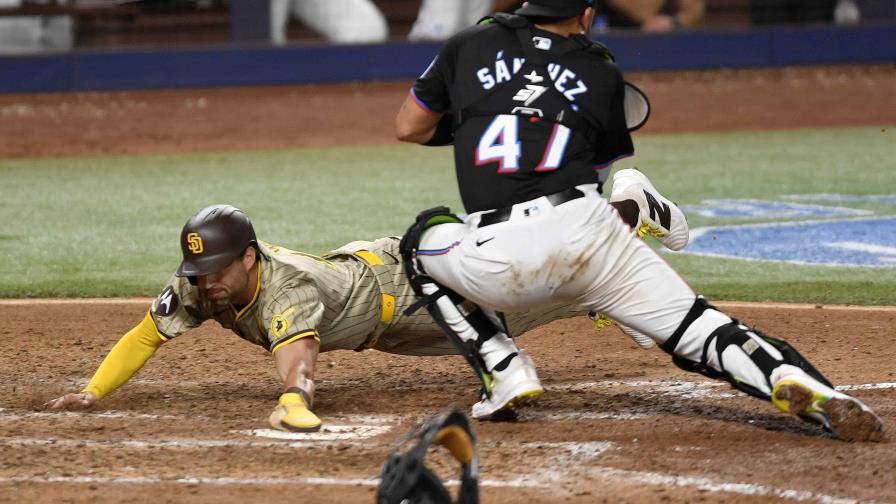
405	478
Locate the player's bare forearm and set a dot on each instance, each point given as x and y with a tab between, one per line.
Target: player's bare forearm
638	11
296	363
505	5
691	12
413	124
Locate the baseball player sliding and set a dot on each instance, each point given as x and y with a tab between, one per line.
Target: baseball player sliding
534	108
291	303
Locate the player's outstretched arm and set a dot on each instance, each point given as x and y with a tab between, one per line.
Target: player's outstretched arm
124	360
296	362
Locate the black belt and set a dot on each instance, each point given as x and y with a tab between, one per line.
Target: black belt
556	199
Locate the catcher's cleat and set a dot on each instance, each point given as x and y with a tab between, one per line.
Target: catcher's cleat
843	416
514	386
658	216
293	415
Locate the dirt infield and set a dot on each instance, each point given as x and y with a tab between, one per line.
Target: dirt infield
294	116
618	424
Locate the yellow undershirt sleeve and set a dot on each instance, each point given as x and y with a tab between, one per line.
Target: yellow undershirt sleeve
126	358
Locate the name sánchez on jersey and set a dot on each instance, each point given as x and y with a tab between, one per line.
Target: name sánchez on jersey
565	80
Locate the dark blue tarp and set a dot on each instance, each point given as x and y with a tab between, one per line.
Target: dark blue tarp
235	65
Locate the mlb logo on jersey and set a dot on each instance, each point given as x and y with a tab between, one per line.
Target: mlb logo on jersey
541	43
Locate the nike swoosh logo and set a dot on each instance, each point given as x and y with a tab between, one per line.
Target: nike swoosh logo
480	243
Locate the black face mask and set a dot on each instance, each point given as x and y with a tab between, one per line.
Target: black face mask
407	480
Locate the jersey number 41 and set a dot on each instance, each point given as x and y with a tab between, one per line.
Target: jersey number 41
500	142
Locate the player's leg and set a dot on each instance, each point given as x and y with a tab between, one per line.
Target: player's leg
280	10
344	22
632	196
646	294
507	373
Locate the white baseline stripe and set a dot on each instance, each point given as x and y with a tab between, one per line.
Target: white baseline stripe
580	454
188	444
690	389
574	453
686	389
867	386
708	484
224	481
4	415
328	434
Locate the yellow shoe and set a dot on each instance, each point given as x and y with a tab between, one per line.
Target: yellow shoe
293	415
843	416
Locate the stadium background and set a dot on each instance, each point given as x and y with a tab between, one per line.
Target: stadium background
105	150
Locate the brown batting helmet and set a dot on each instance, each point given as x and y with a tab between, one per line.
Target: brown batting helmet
213	238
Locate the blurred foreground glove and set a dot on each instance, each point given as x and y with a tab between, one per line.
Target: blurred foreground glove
292	414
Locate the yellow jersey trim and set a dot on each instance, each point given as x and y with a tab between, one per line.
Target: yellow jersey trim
254	296
301	335
387	309
387	301
369	257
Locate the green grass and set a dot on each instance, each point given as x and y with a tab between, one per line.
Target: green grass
108	226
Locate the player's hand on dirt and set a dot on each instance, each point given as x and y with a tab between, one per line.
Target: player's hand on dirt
293	415
79	401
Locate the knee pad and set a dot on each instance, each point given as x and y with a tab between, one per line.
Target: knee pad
465	324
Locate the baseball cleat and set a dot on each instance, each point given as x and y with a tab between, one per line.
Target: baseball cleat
658	217
514	386
843	416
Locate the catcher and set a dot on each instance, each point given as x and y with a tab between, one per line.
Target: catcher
296	305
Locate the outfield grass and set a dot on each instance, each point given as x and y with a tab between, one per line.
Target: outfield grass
109	226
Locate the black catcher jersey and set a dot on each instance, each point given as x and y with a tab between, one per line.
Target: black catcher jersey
530	121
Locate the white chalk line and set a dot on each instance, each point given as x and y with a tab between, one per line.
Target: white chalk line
671	388
690	389
327	433
577	453
722	304
572	454
867	386
711	485
351	435
227	481
4	415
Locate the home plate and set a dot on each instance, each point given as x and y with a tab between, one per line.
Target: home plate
326	433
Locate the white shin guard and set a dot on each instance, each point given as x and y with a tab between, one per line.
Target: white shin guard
712	343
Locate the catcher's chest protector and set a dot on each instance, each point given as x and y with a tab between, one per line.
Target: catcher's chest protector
407	480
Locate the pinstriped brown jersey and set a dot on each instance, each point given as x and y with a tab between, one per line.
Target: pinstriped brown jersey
336	297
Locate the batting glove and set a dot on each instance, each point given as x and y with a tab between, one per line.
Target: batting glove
292	414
